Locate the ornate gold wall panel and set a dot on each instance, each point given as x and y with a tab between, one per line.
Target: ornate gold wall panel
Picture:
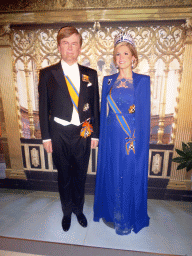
160	49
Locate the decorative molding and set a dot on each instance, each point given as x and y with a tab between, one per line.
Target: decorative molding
35	157
5	36
47	5
156	163
80	15
177	184
188	27
5	30
15	174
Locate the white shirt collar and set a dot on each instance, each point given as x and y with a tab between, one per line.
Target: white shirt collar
69	69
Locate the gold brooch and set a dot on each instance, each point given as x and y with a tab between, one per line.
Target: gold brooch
109	81
132	109
85	78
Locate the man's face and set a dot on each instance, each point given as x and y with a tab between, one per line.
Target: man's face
70	49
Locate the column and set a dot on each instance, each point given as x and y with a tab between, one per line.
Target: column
162	109
15	167
29	100
178	179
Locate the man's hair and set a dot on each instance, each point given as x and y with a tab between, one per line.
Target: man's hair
67	31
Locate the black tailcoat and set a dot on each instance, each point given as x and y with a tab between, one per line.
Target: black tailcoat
70	151
54	98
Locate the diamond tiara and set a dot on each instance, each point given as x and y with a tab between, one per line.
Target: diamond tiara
123	37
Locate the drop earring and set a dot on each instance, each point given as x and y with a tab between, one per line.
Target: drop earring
132	64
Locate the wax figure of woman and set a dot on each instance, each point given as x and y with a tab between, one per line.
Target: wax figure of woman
122	170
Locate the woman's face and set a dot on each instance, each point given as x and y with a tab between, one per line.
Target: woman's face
124	57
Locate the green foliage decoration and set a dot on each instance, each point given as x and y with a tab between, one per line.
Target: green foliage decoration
185	158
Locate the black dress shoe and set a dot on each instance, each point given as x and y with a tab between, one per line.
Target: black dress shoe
82	220
66	223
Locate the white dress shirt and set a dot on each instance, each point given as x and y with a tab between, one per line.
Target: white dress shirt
73	73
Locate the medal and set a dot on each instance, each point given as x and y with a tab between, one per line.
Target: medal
85	78
86	107
86	129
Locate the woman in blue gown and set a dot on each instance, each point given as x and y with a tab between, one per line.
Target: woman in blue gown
122	169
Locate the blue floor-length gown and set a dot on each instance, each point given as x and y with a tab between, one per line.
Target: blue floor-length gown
121	183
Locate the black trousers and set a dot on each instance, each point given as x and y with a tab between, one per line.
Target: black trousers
71	157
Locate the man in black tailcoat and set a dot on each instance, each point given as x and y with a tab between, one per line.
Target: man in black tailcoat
69	123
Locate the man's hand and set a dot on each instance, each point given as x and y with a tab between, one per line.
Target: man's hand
94	143
48	146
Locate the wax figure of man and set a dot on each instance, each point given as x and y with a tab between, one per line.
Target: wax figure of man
69	120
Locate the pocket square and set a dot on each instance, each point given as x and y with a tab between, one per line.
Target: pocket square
89	84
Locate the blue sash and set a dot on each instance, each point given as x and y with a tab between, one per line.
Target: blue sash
130	140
